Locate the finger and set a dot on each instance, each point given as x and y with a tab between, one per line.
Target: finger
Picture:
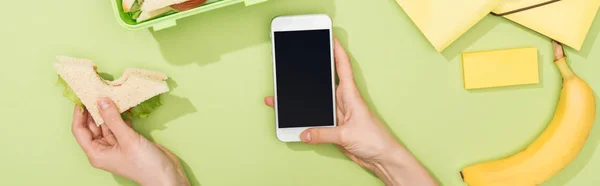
105	130
340	117
321	136
342	63
96	131
80	130
112	119
270	101
108	135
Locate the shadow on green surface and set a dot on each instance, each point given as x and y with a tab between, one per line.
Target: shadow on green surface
123	181
587	152
470	37
541	64
591	38
189	172
203	39
323	150
106	76
173	107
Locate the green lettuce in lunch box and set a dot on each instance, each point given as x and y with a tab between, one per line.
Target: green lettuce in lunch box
142	10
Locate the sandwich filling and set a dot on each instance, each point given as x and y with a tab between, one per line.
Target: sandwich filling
142	10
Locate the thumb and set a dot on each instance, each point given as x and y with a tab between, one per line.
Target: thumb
321	136
112	119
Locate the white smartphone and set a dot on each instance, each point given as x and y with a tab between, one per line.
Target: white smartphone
303	68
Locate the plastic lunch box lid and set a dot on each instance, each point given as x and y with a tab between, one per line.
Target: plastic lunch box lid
170	20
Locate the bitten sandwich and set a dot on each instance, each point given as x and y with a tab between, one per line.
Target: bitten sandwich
136	93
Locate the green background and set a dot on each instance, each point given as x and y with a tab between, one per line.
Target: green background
215	119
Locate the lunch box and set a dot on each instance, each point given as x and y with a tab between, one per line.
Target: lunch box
171	20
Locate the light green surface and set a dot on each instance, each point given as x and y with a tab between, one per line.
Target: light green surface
221	60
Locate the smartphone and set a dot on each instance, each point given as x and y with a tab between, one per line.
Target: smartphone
303	69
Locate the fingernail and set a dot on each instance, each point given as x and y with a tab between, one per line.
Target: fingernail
306	137
103	103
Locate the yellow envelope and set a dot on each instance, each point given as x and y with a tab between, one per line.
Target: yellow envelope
511	5
444	21
566	21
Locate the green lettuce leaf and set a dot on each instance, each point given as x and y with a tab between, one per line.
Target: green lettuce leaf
136	9
135	15
143	110
69	93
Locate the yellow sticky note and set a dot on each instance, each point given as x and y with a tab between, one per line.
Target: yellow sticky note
566	21
500	68
444	21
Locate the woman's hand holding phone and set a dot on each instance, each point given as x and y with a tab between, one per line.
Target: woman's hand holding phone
362	136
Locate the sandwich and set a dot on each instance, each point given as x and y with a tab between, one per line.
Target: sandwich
142	10
136	93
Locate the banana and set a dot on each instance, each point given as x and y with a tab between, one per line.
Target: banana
555	148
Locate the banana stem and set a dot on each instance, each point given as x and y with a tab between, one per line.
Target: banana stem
561	61
559	52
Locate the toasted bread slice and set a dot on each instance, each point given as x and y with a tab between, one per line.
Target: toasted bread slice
132	88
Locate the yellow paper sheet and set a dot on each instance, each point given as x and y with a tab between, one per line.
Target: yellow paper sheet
566	21
444	21
500	68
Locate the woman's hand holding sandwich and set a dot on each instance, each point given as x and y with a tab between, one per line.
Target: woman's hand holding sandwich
115	147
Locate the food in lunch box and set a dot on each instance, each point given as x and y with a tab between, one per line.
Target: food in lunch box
142	10
136	93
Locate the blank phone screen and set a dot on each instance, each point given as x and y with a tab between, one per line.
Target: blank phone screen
304	78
